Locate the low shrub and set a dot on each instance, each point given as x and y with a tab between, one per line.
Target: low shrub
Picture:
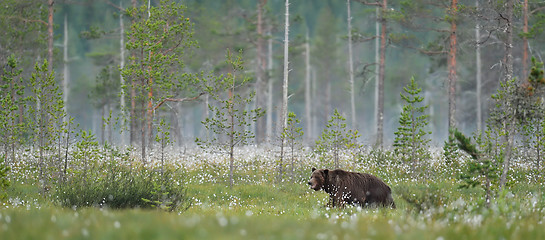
124	187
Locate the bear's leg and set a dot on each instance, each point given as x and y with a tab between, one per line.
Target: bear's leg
361	201
331	202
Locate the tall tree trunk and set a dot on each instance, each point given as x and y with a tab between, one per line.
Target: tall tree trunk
66	72
205	115
525	41
133	127
351	68
260	73
314	107
377	75
508	76
143	127
121	66
381	65
149	112
231	135
50	4
308	103
478	74
452	77
286	70
102	124
269	111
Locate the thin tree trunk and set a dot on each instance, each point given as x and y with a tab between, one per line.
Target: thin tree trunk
377	75
66	72
50	23
351	68
308	103
206	114
509	41
525	41
452	77
260	73
380	121
143	129
102	124
508	76
286	70
314	111
269	111
231	136
478	74
121	66
149	113
133	127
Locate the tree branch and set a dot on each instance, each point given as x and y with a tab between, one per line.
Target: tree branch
114	5
378	4
26	20
177	100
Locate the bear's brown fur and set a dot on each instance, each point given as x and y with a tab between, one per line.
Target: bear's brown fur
351	187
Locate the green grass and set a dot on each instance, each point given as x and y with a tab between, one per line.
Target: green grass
257	207
284	211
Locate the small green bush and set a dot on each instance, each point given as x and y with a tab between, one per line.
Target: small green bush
125	188
4	181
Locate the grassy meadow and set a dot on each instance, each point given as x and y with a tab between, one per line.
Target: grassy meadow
261	205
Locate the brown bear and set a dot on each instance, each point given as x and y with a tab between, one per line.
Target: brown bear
351	187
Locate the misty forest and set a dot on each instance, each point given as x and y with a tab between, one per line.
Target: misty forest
202	119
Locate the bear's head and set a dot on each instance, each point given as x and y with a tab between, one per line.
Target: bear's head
318	178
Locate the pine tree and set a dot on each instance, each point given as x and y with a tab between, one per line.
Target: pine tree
230	121
336	139
290	144
12	126
411	142
158	39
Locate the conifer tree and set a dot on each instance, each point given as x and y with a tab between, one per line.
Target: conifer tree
481	170
336	139
229	120
411	142
290	143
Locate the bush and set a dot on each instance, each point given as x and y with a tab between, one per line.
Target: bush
4	181
123	187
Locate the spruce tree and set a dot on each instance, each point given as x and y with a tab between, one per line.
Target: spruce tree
481	170
411	142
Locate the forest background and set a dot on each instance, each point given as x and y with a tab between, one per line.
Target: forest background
87	42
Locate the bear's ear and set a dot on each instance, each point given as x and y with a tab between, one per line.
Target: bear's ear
326	171
313	169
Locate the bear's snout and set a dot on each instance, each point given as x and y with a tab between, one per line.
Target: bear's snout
309	183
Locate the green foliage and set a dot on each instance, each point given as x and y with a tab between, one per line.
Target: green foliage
230	121
116	185
411	142
163	139
536	72
532	127
336	139
104	177
106	87
422	198
450	150
46	110
482	170
290	144
12	99
4	181
159	43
